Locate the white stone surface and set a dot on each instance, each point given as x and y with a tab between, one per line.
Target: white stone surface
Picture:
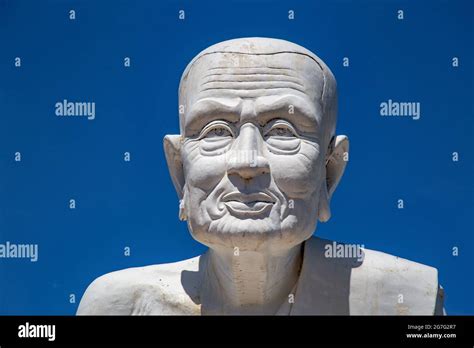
255	166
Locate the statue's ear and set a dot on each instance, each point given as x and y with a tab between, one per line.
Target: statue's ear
336	160
172	147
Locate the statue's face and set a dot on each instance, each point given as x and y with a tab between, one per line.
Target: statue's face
253	153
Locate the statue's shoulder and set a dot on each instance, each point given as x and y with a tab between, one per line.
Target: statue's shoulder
394	285
381	283
156	289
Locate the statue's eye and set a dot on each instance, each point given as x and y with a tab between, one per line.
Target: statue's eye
217	130
281	130
282	138
216	138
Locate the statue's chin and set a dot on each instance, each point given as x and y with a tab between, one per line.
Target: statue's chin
252	234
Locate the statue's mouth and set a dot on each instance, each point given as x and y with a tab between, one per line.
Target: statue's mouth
248	205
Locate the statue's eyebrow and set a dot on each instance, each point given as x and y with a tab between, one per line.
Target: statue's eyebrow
290	107
206	110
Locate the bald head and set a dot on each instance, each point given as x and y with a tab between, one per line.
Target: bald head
262	70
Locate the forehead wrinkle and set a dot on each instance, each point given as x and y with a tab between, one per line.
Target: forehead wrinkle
252	78
202	55
249	67
260	73
200	73
251	71
246	87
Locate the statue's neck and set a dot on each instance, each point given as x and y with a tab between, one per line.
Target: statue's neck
244	282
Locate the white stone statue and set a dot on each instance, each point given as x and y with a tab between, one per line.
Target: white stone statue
255	165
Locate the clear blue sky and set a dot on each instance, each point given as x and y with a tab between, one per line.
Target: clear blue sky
133	204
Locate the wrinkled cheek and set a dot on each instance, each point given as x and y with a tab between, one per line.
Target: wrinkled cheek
299	175
204	172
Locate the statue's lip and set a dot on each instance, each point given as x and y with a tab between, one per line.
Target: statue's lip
248	198
250	205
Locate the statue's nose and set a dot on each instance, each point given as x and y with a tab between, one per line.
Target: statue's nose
246	158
